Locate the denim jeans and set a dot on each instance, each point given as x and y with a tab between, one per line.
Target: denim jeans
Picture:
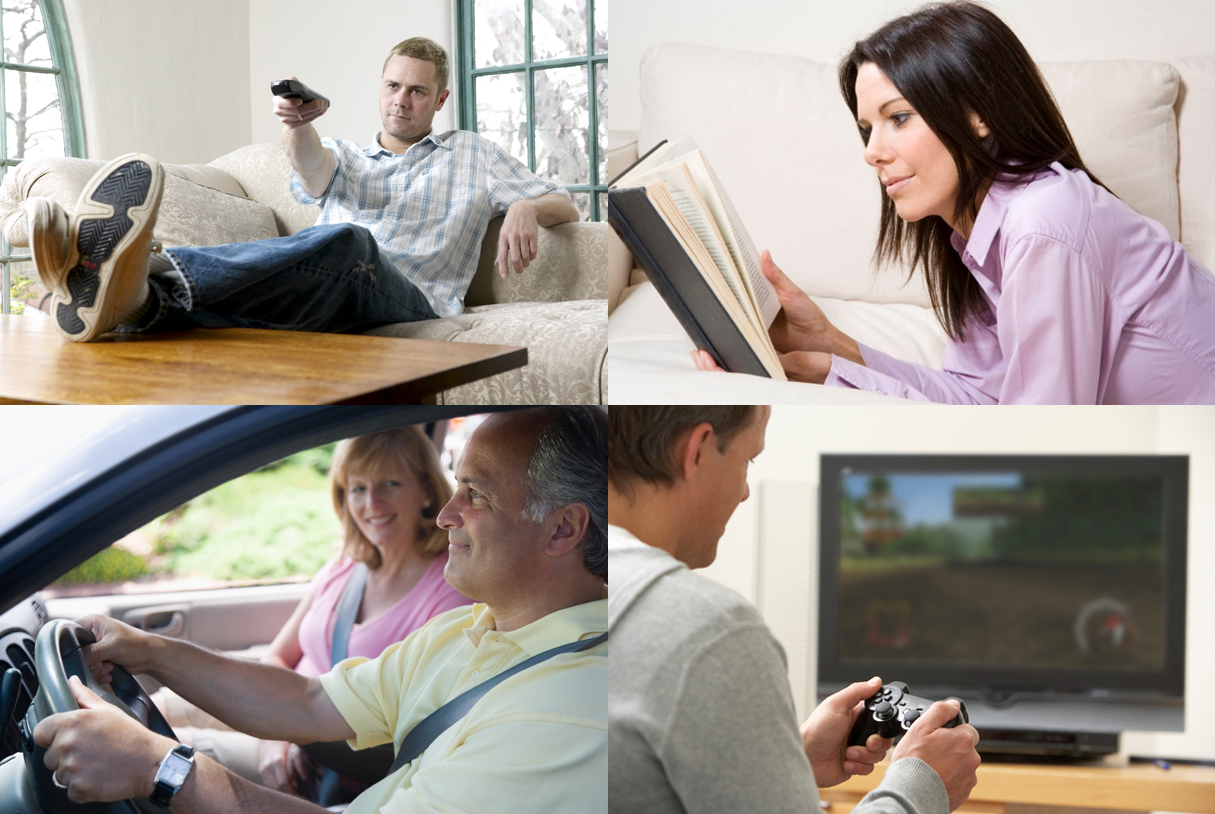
329	278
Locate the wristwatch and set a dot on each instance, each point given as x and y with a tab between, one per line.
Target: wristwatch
173	771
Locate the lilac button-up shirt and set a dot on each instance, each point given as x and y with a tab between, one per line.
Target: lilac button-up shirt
1089	303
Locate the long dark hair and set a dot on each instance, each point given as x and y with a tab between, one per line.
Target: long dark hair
952	60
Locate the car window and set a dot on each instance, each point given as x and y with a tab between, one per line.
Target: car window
274	525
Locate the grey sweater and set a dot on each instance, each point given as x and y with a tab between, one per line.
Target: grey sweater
700	714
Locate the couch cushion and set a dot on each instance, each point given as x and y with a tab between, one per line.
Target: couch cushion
797	175
1196	136
570	265
566	348
189	190
264	172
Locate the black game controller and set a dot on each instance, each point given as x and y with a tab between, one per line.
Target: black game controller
892	710
296	89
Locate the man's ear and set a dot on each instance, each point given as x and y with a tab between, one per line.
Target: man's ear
442	99
691	456
571	527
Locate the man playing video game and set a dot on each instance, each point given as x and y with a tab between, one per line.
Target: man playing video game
397	240
700	712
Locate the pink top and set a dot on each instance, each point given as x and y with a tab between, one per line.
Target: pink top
430	597
1088	301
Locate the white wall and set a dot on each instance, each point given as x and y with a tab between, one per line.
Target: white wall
1050	29
798	435
339	50
169	78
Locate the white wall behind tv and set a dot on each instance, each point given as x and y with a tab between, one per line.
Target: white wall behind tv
1050	29
798	435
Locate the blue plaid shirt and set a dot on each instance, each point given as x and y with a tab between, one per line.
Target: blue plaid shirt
429	208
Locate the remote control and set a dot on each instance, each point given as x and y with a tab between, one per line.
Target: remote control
296	89
892	710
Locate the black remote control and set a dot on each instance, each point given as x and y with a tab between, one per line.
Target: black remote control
296	89
892	710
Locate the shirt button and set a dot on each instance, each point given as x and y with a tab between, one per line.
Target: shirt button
476	674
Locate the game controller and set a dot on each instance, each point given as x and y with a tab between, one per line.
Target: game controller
892	710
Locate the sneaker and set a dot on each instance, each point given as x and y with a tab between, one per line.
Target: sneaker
101	273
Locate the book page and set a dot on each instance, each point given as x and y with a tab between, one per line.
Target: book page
766	301
659	193
660	156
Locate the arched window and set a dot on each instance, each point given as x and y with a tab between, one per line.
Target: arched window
41	101
533	79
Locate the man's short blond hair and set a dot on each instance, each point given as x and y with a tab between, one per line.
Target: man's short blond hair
423	48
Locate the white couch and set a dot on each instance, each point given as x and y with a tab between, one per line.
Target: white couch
794	169
557	308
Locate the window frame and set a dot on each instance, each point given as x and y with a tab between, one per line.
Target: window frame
63	66
468	73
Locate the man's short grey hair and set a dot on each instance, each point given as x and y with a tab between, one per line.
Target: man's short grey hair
569	465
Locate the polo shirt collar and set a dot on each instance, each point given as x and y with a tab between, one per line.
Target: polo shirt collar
562	627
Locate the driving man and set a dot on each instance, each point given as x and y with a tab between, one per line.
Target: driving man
527	529
701	713
397	239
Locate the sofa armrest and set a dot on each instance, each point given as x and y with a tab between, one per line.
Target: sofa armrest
571	265
620	269
622	151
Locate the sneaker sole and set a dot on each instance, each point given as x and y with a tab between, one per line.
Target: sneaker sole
103	221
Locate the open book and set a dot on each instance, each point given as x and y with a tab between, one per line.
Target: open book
671	211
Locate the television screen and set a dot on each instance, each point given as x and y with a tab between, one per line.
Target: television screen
1037	570
1047	591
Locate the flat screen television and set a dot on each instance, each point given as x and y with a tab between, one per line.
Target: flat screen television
1048	592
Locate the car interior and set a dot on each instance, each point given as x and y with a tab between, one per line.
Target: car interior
131	470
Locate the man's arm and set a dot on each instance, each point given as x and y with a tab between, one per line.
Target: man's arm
302	143
263	700
518	242
102	755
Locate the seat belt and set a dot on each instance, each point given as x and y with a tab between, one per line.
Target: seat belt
347	612
437	722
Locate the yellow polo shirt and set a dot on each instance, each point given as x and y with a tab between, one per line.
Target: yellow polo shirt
536	742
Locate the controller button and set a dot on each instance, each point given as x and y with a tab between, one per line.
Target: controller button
910	717
896	695
883	711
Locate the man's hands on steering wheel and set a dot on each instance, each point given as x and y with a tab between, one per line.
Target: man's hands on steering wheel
99	752
117	643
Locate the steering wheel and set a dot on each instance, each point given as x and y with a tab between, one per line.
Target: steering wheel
58	655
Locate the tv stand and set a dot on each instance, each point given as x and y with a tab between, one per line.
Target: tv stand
1019	744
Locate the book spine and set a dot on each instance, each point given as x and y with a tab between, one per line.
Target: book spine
679	283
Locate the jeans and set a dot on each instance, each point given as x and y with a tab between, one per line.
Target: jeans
329	279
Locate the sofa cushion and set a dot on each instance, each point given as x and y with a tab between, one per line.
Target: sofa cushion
797	175
264	173
1196	137
566	350
189	190
569	265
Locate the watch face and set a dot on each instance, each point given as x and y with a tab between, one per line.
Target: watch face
174	770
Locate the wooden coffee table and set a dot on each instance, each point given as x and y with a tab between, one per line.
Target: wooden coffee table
235	366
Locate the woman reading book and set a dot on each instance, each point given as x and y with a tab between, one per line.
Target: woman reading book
1050	288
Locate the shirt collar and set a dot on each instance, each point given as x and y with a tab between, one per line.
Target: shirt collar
440	140
992	212
558	628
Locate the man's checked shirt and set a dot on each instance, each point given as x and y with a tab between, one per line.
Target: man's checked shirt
429	208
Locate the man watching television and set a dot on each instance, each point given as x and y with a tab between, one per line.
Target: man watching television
397	239
701	716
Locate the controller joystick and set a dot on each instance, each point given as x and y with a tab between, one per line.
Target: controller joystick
892	710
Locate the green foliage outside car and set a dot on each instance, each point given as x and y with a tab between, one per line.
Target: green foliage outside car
274	523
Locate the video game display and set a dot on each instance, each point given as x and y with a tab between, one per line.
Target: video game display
995	568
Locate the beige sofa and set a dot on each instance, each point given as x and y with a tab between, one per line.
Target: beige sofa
557	309
795	172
